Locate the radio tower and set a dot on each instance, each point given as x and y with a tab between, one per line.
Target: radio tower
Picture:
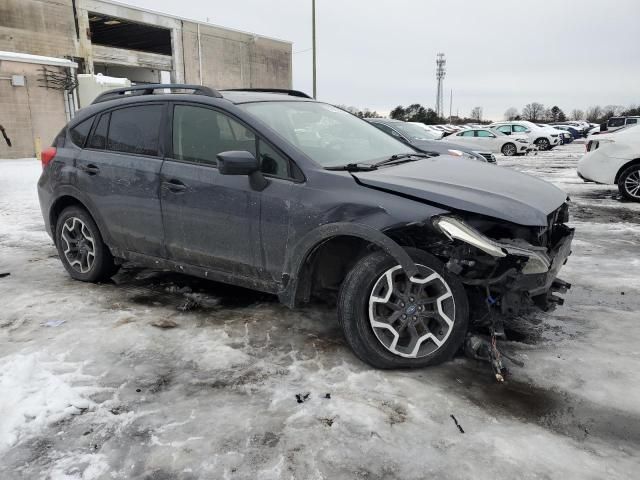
441	62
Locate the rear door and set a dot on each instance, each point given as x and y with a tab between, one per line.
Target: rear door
120	170
210	220
486	140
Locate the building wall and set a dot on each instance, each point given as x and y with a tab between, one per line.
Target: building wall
28	112
233	59
39	27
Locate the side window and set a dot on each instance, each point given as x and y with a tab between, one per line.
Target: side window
519	128
99	137
632	121
199	134
386	129
485	134
467	133
80	132
616	122
505	129
271	162
135	129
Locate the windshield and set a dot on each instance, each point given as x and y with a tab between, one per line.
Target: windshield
413	131
328	135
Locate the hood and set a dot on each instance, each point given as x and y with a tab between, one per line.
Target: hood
439	146
470	186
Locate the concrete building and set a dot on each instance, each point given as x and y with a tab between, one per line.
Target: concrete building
111	38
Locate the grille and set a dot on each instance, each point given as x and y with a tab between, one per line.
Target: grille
491	158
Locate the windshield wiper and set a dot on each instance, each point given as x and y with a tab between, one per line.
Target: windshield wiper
401	157
354	167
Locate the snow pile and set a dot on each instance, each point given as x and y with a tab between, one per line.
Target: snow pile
34	396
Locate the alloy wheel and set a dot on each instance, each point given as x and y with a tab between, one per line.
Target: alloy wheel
632	184
543	144
411	317
509	150
79	246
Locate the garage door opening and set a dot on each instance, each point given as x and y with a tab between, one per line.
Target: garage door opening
120	33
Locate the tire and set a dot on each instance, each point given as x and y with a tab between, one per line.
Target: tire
357	302
80	247
629	183
543	144
509	149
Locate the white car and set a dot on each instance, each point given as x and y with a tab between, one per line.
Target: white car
545	138
495	142
614	158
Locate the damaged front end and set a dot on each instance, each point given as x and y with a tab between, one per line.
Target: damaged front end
507	270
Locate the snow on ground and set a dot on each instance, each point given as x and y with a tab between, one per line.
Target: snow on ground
91	387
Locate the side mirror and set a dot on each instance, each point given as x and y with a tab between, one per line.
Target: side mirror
237	163
242	163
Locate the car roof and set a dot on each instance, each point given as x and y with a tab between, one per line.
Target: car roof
247	96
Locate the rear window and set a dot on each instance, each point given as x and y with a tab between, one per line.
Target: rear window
80	132
135	130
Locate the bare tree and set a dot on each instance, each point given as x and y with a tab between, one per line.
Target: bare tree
476	114
511	113
533	111
577	114
594	114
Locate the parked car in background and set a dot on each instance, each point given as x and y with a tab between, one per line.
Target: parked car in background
575	133
614	158
219	185
430	128
616	123
494	141
545	138
425	141
565	137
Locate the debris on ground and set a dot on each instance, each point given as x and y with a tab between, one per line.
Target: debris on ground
6	274
327	421
165	323
302	397
455	420
53	323
327	395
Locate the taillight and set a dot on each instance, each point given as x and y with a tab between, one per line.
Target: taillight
47	155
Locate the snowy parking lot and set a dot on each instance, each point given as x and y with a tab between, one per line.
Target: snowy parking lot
163	376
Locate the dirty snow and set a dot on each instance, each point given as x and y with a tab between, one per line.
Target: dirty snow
91	389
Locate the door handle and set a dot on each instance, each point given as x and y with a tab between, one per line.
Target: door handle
90	169
174	185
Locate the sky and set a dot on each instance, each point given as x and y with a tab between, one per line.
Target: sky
378	54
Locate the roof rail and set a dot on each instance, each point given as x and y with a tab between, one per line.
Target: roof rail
293	93
150	88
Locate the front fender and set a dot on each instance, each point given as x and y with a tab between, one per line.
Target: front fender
305	247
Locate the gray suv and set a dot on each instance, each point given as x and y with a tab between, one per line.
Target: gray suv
272	190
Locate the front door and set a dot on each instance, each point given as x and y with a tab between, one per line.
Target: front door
210	220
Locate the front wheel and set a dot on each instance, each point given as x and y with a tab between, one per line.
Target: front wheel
629	183
509	149
543	144
393	321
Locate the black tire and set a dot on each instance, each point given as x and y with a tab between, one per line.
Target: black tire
543	144
103	266
353	312
629	183
509	149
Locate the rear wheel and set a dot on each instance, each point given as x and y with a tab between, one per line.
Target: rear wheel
80	246
543	144
509	149
629	183
393	321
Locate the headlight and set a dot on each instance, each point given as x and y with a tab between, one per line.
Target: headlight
538	261
522	140
460	153
456	229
